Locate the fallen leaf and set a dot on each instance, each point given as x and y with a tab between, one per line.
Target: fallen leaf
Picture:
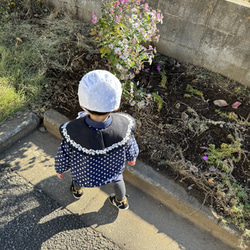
53	15
93	32
194	169
211	180
19	39
236	105
220	103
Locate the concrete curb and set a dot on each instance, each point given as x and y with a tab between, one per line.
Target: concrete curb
176	198
13	130
165	190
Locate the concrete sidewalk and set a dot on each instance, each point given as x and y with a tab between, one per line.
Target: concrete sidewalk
161	215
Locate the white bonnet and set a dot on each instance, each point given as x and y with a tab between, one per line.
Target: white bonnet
100	90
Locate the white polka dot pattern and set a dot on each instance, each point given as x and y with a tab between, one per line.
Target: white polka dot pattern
90	171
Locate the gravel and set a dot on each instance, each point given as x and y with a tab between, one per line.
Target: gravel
31	220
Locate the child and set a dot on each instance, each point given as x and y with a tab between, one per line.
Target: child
96	145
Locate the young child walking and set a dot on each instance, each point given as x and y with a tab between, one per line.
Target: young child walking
96	145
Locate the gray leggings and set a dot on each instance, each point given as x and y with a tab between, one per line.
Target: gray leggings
118	186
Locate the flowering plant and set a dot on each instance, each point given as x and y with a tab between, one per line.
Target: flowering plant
138	96
121	30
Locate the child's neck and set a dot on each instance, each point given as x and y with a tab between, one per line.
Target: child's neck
99	118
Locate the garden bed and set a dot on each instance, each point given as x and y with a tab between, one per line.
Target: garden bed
175	138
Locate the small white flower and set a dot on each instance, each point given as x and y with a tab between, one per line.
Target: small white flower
118	66
141	104
124	56
145	36
125	47
125	41
134	16
132	103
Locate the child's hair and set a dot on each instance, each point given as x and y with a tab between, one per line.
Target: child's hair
98	113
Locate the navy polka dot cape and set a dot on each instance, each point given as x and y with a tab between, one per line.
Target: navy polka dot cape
92	167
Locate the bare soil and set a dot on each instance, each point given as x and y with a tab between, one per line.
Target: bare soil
171	140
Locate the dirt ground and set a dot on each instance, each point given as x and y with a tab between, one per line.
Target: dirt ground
173	139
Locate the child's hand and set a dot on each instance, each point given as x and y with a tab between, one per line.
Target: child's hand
132	163
60	176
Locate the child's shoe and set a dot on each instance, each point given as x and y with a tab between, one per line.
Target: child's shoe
122	205
76	193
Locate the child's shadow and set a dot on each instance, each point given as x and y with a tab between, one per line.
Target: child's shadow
32	227
105	215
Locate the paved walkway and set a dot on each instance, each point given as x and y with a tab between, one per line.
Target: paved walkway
38	211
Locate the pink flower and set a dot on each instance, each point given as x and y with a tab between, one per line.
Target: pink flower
94	18
146	7
157	38
111	11
158	68
205	158
117	18
117	51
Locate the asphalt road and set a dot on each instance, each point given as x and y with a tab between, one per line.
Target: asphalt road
31	220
